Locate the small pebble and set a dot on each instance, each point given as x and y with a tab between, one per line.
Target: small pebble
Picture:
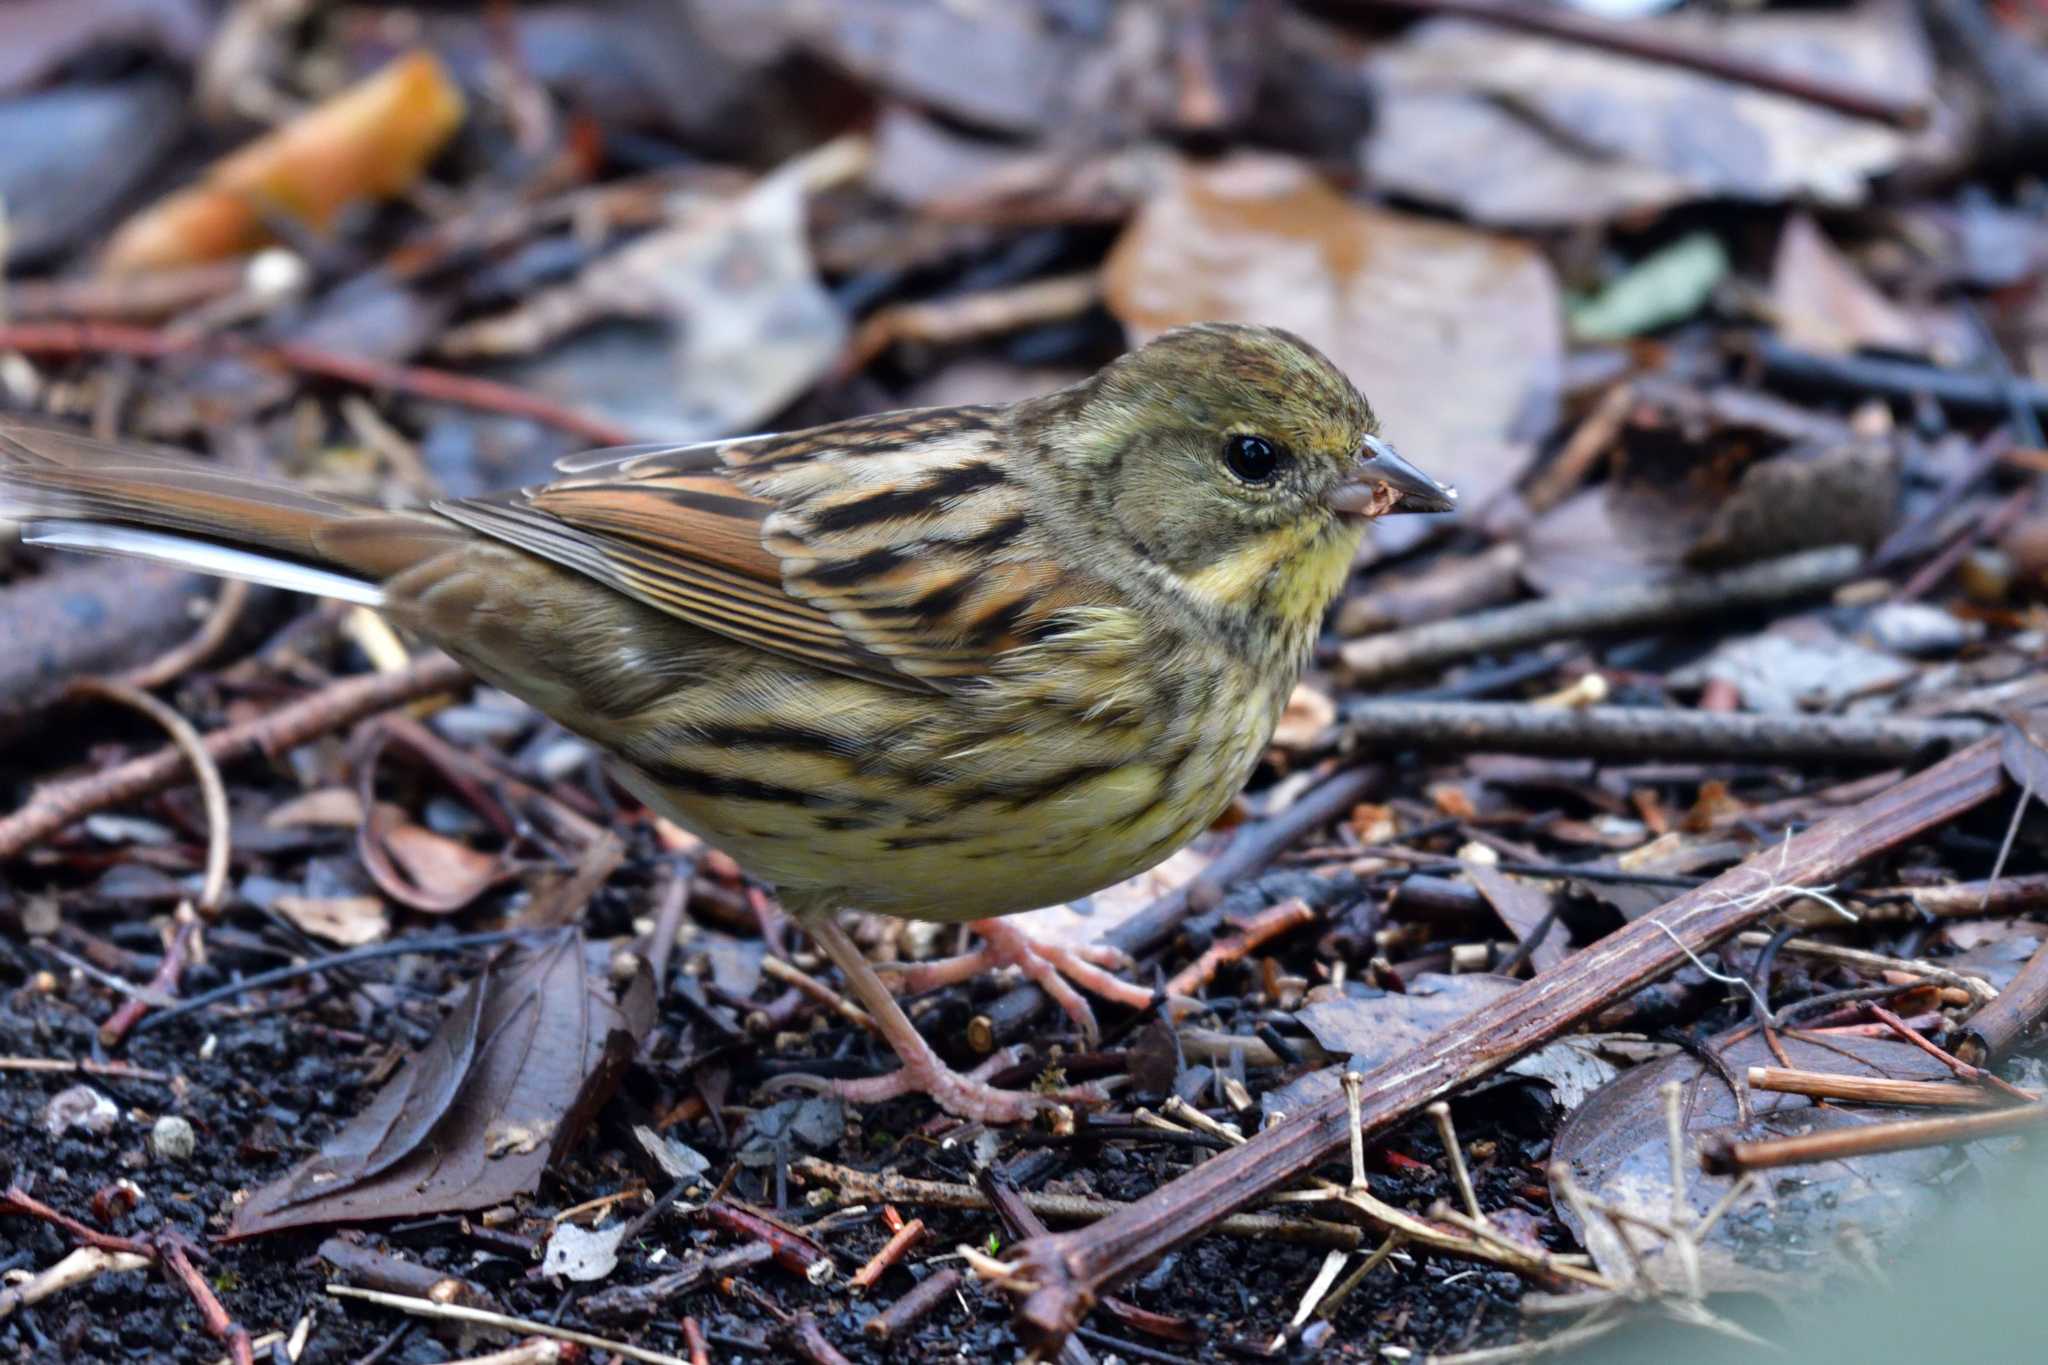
172	1139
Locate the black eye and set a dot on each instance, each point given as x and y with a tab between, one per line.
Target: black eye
1252	458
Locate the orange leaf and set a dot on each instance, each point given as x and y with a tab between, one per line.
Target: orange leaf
371	141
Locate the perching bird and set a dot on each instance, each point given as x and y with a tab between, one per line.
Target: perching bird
948	663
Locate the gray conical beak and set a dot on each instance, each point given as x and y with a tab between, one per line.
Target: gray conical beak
1384	482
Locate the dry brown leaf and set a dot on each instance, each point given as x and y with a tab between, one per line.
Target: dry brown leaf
371	141
1453	335
1823	304
1309	713
442	868
327	808
1619	1149
1512	128
350	921
510	1079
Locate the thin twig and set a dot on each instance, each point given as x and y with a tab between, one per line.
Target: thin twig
213	794
418	381
1638	732
1826	1085
1835	1143
1633	606
456	1312
219	624
52	807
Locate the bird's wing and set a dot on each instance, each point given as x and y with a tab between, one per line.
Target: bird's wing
895	548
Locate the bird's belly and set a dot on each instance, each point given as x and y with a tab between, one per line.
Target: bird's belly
1006	823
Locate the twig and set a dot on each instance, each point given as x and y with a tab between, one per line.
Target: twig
82	1265
1826	1085
1633	606
213	794
1248	852
912	1307
418	381
1863	376
1835	1143
1992	528
1454	1157
334	962
1632	40
86	1067
893	1250
794	1251
1979	989
1581	451
1070	1268
212	1315
1636	732
2021	1006
219	624
948	321
163	986
886	1187
52	807
455	1312
1253	934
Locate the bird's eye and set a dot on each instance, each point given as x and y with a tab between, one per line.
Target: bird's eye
1252	458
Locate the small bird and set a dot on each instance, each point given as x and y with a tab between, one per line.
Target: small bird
946	663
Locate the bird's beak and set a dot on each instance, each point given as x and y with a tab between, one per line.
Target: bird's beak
1383	482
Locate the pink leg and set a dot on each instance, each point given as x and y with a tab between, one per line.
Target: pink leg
923	1072
1050	966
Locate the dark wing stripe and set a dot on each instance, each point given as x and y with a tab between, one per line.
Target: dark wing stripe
894	503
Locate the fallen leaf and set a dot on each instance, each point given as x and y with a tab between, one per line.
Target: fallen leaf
742	324
327	808
1515	129
1787	674
1309	713
1794	1231
1378	1026
510	1079
1524	907
1823	304
1667	286
421	869
1453	334
372	141
582	1254
350	921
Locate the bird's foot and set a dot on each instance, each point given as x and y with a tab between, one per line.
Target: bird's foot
965	1095
1055	969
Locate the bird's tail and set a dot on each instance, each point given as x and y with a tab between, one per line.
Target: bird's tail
77	493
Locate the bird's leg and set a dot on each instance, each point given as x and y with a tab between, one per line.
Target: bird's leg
1051	966
923	1073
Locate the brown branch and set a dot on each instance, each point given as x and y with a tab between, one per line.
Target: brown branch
2020	1007
219	623
52	807
1632	606
1070	1270
1632	40
212	1315
418	381
888	1187
1827	1085
1646	732
911	1309
1257	931
1728	1158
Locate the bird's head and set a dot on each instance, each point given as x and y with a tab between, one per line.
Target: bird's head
1240	460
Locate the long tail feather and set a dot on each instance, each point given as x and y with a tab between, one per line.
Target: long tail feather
81	494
